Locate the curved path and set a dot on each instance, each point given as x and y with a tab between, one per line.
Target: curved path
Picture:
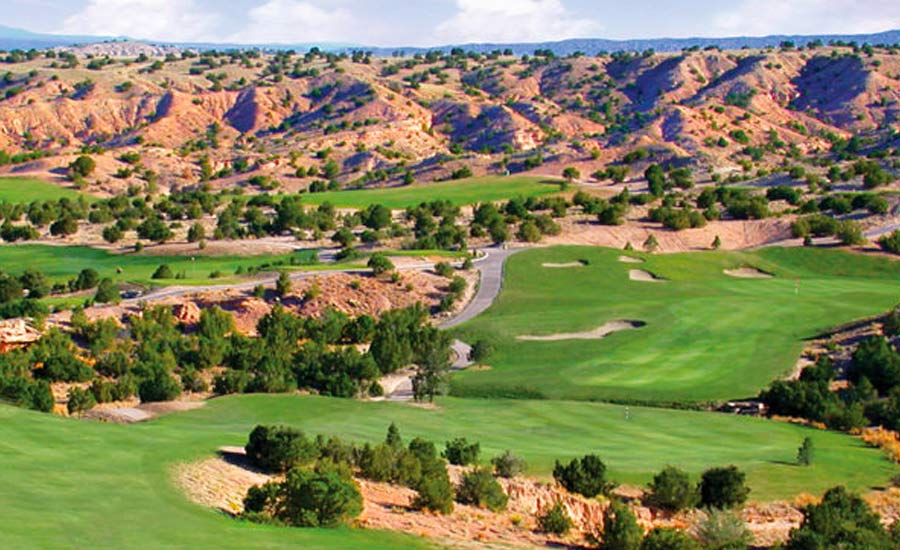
491	269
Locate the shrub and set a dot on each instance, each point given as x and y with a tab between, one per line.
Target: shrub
479	488
82	167
107	292
159	387
805	452
508	465
80	401
841	520
620	528
481	350
667	538
278	448
435	493
380	264
585	476
460	452
555	520
307	499
671	489
163	272
444	269
723	530
890	243
723	488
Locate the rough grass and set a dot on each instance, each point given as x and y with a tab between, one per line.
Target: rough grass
26	190
74	484
708	336
461	192
60	263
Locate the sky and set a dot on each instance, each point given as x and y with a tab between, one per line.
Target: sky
437	22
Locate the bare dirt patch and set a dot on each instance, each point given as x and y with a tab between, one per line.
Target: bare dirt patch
131	414
597	334
644	276
748	273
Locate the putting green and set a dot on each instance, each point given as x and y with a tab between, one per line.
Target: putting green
77	484
708	336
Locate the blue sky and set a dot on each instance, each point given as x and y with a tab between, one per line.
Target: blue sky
433	22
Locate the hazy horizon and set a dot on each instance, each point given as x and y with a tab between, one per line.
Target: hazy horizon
438	22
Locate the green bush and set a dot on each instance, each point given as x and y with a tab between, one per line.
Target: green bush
434	491
890	243
585	476
841	520
322	498
278	448
80	401
667	538
620	528
555	520
460	452
671	489
723	530
508	465
723	488
163	272
479	488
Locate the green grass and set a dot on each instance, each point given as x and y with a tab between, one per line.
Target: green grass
60	263
26	190
461	192
73	484
708	336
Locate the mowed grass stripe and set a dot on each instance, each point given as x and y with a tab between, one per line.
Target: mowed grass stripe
460	192
26	190
709	337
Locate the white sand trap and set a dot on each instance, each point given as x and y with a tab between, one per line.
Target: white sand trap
579	263
596	334
748	273
630	260
644	276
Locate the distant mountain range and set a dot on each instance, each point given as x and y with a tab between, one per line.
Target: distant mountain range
13	38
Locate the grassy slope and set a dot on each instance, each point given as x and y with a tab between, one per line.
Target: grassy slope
87	485
709	336
24	190
63	262
462	192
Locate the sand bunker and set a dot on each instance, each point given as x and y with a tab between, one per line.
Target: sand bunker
748	273
644	276
579	263
630	260
596	334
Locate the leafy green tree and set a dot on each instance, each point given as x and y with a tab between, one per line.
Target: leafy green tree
671	489
87	279
344	237
10	289
393	439
325	497
805	452
35	283
890	243
723	488
433	364
555	520
434	490
717	243
585	476
570	174
159	386
620	528
112	234
651	244
196	233
479	488
529	232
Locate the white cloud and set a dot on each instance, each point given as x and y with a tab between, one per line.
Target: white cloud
513	21
764	17
295	21
169	20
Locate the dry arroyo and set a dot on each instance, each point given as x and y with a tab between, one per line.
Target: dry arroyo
644	276
748	273
596	334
